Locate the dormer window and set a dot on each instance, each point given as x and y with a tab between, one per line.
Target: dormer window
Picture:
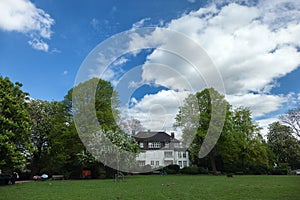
154	145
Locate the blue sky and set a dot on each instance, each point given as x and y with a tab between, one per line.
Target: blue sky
254	46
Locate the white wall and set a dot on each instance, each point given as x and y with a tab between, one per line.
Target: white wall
159	155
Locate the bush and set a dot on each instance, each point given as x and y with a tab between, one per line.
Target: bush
172	169
281	169
190	170
279	172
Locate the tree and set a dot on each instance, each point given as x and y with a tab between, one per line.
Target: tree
240	146
101	134
14	125
292	119
252	151
42	114
195	117
131	126
284	145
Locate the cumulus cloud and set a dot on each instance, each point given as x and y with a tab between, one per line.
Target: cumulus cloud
24	17
157	111
259	104
251	44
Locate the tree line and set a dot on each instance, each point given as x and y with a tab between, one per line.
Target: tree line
40	136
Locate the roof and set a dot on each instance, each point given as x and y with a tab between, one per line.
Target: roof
154	136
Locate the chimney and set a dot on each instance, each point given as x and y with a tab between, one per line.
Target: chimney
172	135
133	132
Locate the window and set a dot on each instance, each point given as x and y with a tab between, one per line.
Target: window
168	154
167	145
184	154
157	163
184	163
179	155
141	145
152	162
154	145
141	163
180	163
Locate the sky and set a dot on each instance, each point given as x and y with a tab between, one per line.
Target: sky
252	48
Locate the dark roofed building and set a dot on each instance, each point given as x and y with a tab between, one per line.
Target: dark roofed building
160	149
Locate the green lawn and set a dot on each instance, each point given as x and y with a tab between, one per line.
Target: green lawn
161	187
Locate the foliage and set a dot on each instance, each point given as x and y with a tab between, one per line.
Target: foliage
42	114
195	117
285	146
240	146
190	170
171	169
54	138
102	138
14	125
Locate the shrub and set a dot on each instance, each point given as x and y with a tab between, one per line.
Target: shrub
190	170
172	169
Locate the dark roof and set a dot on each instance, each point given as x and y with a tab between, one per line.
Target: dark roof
154	136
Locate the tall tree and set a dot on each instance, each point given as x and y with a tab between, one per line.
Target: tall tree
292	119
195	117
14	125
102	138
42	114
240	146
284	145
252	149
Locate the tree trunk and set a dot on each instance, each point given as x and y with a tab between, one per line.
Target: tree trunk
213	161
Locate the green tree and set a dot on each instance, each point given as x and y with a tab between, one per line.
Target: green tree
98	97
252	149
14	125
42	114
240	146
195	117
54	138
284	145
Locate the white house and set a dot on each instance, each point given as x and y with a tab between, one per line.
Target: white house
160	149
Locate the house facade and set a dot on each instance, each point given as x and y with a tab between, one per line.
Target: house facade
159	149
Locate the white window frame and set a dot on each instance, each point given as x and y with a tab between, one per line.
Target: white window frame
141	145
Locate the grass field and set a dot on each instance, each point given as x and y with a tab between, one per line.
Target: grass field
160	187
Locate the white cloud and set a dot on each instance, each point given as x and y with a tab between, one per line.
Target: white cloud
140	23
259	104
156	111
24	17
252	46
264	124
38	44
120	61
